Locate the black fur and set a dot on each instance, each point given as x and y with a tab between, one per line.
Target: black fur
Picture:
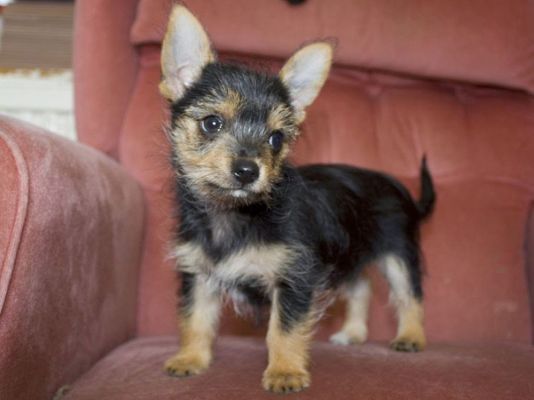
264	90
338	218
188	282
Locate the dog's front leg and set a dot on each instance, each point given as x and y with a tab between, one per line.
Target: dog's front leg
199	309
288	339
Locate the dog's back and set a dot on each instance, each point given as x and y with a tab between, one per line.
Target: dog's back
358	215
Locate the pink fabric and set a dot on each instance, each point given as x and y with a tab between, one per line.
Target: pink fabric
105	65
479	144
71	228
14	203
372	371
484	41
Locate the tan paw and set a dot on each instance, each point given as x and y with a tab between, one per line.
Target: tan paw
183	365
409	344
285	382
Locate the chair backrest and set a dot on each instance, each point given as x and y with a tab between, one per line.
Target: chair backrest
450	79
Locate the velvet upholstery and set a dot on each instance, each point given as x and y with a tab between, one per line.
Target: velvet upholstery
450	79
71	229
368	372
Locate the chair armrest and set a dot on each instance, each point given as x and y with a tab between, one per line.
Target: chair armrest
71	231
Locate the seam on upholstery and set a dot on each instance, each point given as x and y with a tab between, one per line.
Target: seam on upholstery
20	218
504	180
135	81
375	110
529	264
142	249
127	110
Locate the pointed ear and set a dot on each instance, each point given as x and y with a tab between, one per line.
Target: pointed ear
305	73
185	52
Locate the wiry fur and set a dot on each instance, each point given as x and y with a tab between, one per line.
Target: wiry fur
290	235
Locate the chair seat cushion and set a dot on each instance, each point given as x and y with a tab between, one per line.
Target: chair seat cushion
371	371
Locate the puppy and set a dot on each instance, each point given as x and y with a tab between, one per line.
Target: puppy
259	230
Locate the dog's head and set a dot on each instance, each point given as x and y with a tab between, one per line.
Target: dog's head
231	126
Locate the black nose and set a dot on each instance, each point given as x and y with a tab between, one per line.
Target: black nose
245	171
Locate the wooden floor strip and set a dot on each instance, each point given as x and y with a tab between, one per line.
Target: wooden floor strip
37	35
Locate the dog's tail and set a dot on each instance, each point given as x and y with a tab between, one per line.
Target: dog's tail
426	202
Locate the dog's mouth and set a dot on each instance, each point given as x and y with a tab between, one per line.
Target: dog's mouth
237	192
230	194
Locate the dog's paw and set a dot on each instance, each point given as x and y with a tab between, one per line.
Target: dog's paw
180	365
408	344
344	338
285	382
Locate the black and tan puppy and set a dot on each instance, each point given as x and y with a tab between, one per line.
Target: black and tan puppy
256	229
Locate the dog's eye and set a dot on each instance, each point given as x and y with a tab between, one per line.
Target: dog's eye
211	124
275	140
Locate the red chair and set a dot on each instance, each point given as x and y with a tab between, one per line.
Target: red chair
87	296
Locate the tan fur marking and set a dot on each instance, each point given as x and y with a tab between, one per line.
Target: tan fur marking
281	118
410	331
287	370
197	330
204	162
167	90
207	164
190	257
226	106
229	106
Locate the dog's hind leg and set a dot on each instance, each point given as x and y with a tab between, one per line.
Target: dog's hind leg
404	278
358	296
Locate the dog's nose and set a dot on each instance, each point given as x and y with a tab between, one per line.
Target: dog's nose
245	171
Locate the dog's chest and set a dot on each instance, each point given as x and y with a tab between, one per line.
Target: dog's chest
259	264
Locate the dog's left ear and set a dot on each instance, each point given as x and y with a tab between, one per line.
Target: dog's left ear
305	73
185	52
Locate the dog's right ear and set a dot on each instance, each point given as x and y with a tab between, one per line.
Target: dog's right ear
185	52
305	73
